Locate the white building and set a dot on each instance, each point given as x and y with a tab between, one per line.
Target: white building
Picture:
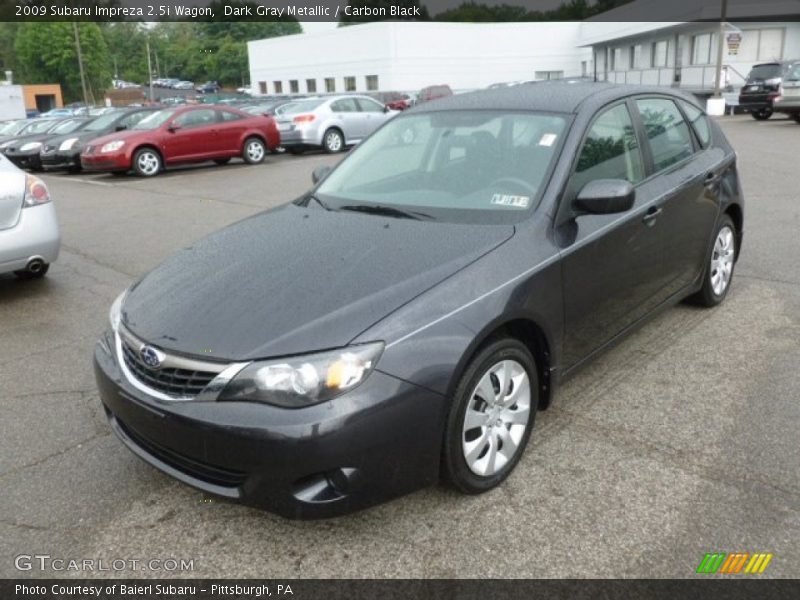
408	56
684	54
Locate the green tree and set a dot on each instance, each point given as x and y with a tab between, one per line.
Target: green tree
46	53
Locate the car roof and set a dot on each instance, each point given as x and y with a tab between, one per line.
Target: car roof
547	96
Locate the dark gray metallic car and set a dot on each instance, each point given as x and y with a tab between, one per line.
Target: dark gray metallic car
405	320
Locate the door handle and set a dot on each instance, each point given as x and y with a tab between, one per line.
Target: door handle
650	218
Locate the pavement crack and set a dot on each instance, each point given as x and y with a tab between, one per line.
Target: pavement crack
47	457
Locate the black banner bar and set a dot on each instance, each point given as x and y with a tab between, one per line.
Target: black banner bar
701	588
396	10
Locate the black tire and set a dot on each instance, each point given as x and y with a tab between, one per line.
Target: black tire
761	114
708	296
254	150
455	469
295	150
147	162
27	275
222	161
333	141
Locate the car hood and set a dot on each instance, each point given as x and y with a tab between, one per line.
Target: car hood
296	280
127	135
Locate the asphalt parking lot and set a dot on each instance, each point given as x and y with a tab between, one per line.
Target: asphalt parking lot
683	440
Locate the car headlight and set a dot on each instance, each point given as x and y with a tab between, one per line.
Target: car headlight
115	313
31	146
6	144
112	146
304	380
67	144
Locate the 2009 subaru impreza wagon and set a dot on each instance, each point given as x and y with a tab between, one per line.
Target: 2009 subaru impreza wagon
406	319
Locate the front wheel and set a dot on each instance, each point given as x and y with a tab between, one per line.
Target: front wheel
254	151
147	162
762	114
333	141
492	416
719	269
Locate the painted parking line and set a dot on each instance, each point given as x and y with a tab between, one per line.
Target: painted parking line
74	179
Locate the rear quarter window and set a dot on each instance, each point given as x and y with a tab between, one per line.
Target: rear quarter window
699	122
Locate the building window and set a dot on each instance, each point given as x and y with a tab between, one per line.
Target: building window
277	86
584	68
349	84
703	46
311	86
262	87
616	59
547	75
770	44
294	86
658	53
632	57
372	83
330	84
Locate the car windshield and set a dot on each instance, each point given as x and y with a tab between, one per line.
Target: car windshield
465	166
155	120
12	127
299	106
68	126
761	72
103	122
40	126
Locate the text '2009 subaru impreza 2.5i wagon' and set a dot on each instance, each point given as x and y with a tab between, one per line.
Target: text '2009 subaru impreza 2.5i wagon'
405	319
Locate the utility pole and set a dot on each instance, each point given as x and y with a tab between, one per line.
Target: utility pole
80	62
720	46
149	68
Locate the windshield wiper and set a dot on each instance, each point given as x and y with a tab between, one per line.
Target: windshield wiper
386	211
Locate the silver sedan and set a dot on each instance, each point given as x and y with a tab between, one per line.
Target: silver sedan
331	123
29	233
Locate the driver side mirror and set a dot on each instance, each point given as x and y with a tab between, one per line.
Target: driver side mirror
320	173
604	197
173	127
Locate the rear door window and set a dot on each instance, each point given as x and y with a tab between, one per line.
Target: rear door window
667	132
699	122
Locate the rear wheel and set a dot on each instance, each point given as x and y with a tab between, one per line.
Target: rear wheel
719	268
254	151
147	162
333	141
492	416
762	114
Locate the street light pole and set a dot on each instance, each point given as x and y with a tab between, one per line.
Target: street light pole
720	46
149	68
80	62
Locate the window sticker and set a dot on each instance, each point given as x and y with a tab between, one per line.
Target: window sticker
548	139
511	200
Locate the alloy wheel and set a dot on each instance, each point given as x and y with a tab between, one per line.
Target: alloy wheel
722	261
496	418
255	151
333	141
148	163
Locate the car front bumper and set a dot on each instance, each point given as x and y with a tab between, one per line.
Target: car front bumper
376	442
25	160
111	161
36	235
60	160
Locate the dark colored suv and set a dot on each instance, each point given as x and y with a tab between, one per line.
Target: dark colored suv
762	87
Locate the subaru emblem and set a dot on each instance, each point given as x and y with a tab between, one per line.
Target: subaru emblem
151	357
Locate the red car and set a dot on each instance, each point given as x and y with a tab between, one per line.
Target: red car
181	135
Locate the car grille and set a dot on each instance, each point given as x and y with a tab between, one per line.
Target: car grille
202	471
47	149
178	383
